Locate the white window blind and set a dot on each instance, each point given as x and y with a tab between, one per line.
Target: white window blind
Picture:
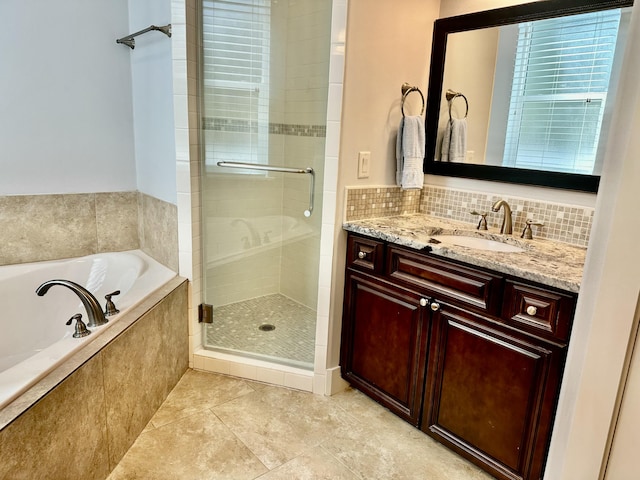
236	50
561	78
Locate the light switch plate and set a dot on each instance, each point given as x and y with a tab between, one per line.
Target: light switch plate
364	164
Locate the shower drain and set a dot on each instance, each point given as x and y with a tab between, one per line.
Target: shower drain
266	327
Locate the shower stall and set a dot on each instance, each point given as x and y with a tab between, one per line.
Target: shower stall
263	90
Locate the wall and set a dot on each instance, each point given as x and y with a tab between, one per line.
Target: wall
306	86
470	69
66	124
385	47
36	228
152	87
609	294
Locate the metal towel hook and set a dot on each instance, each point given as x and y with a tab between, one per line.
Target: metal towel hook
406	90
131	43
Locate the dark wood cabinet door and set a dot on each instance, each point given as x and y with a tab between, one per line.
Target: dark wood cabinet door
384	340
491	395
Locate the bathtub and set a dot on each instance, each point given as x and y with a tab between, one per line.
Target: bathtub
35	339
231	239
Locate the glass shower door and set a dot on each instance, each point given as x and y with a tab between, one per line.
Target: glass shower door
263	95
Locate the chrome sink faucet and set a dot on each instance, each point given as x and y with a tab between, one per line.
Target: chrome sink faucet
507	225
94	310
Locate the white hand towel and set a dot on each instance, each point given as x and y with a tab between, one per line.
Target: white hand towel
410	153
454	141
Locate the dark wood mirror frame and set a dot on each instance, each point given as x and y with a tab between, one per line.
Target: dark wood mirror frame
494	18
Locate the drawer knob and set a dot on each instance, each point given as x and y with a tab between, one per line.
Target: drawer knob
424	302
361	255
435	306
531	310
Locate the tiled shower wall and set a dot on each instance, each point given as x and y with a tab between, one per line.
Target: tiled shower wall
564	223
297	134
36	228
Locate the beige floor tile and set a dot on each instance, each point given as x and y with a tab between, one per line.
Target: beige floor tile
279	424
384	446
197	391
314	464
198	447
213	426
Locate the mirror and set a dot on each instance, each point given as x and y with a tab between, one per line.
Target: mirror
518	94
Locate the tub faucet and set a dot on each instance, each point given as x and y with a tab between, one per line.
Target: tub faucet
507	226
94	310
255	236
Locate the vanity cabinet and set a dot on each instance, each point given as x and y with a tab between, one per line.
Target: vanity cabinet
472	357
385	344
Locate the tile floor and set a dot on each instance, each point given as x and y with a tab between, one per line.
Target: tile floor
235	328
217	427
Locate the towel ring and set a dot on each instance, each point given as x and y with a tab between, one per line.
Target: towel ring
406	90
451	96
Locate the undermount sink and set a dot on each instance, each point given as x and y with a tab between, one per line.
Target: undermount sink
478	243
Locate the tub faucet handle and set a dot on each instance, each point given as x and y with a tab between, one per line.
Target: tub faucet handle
111	309
81	328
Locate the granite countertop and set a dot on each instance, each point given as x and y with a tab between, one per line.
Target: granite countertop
550	263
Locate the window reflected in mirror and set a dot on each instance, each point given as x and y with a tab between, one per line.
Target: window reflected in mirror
532	95
525	94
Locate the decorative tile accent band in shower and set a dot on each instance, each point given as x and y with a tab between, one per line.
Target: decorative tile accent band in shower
564	223
374	202
249	126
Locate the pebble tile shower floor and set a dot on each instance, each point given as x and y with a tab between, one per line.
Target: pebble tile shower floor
219	427
236	328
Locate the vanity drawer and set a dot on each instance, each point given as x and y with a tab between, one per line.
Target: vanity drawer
538	310
446	280
365	254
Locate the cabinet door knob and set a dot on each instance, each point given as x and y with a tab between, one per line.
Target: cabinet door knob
361	255
424	302
531	310
435	306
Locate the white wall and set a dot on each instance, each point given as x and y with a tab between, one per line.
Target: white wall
152	85
608	297
65	98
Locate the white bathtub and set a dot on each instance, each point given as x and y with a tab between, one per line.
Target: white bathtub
34	338
230	239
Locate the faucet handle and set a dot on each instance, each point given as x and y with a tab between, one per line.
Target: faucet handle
527	233
81	328
482	224
110	308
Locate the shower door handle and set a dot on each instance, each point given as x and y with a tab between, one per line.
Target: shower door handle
272	168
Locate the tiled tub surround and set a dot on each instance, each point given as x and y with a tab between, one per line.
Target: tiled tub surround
30	349
551	263
564	223
36	228
96	404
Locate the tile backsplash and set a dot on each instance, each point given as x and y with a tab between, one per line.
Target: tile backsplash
380	202
562	222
